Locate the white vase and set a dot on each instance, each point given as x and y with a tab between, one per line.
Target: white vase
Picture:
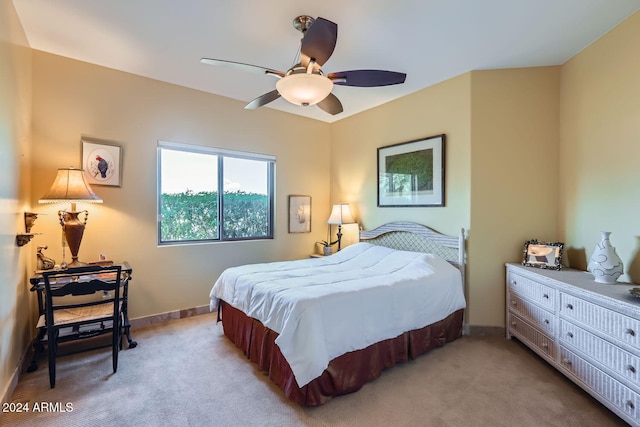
327	250
605	264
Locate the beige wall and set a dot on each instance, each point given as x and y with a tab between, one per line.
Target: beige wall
73	98
514	178
600	151
16	325
501	126
442	108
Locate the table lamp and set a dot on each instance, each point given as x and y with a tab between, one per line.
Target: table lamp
340	214
70	186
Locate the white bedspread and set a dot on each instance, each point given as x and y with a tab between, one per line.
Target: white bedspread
325	307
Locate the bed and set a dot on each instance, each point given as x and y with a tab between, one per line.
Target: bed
323	327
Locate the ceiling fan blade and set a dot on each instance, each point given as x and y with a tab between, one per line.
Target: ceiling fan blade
318	42
242	66
367	78
263	100
331	104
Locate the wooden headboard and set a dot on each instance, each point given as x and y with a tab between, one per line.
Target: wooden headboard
411	236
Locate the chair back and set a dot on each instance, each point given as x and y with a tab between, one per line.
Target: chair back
63	287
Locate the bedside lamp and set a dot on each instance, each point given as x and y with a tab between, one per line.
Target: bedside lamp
70	186
340	214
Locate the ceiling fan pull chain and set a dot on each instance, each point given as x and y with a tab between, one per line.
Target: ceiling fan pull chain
296	58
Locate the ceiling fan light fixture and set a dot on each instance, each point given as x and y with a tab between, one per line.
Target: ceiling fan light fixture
305	83
304	88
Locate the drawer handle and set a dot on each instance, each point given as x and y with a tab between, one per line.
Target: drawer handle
630	404
570	306
631	368
546	321
513	282
514	302
513	323
631	332
545	296
566	361
570	334
545	345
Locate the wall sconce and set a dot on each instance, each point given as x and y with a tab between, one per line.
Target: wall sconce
340	214
70	186
24	238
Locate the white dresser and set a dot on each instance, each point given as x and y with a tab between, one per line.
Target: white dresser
588	331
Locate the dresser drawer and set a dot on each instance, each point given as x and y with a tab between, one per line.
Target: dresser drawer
533	313
623	363
521	329
618	395
533	291
615	325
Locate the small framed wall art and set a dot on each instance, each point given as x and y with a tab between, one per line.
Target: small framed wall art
543	254
102	162
412	173
299	214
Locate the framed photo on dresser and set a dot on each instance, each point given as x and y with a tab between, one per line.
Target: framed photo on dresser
543	254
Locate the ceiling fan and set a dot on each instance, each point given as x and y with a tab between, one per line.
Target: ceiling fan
305	83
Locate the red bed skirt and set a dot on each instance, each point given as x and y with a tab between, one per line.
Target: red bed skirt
346	373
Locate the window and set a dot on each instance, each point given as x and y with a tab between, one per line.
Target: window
211	194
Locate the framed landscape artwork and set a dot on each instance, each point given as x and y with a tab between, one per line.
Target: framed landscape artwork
412	173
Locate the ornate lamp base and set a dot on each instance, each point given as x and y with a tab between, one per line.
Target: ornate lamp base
73	228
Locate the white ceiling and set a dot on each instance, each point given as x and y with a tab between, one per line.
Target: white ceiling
429	40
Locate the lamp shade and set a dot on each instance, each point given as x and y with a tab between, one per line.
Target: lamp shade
304	88
70	185
341	214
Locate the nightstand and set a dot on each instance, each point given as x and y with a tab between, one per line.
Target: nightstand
317	256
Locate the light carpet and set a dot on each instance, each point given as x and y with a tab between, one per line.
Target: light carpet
186	373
